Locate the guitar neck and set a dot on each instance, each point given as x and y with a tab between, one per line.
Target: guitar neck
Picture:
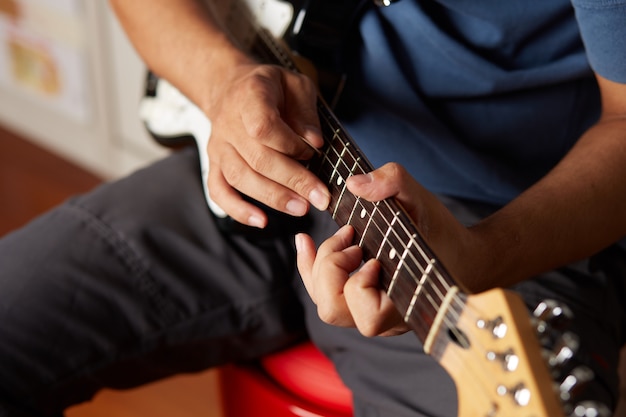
411	274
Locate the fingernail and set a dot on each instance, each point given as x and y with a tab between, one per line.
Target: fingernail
343	230
361	179
319	199
299	242
296	207
312	133
256	221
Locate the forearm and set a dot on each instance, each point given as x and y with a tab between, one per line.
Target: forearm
576	210
199	52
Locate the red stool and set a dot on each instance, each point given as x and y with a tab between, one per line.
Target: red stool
297	382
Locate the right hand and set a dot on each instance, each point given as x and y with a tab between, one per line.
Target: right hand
260	115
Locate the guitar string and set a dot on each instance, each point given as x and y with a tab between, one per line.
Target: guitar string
284	59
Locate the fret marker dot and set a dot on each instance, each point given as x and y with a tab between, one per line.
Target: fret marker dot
339	180
392	253
363	213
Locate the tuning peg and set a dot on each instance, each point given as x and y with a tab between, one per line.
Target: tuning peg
508	359
384	3
564	349
590	409
575	382
553	313
519	393
496	326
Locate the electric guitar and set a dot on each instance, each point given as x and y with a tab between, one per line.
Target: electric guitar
490	338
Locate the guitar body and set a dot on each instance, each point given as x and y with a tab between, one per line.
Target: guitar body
322	31
486	342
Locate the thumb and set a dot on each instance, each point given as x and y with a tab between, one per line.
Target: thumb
305	258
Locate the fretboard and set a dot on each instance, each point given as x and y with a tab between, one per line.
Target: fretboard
411	274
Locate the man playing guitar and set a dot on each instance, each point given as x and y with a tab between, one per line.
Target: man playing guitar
497	128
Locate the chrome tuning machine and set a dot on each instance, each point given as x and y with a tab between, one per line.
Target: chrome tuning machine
575	382
565	347
384	3
590	409
552	314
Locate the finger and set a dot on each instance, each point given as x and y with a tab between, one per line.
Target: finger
231	201
340	240
388	181
373	311
336	260
226	184
338	255
276	180
393	181
305	258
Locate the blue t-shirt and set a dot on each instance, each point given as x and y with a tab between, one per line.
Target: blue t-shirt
480	98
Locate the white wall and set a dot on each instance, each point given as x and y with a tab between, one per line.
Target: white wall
107	137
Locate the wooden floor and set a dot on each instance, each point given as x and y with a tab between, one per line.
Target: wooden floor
32	181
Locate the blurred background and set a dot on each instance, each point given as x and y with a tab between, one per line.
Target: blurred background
70	84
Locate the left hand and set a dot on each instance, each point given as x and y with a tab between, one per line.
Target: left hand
355	299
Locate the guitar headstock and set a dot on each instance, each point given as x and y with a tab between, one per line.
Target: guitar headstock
495	356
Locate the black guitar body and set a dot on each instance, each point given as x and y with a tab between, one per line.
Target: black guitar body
323	31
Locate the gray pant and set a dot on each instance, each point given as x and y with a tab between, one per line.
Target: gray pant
134	282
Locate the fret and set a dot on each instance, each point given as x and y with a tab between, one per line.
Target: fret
343	146
418	289
365	230
360	222
356	204
326	156
345	203
385	220
406	251
441	314
422	313
331	159
343	188
386	237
